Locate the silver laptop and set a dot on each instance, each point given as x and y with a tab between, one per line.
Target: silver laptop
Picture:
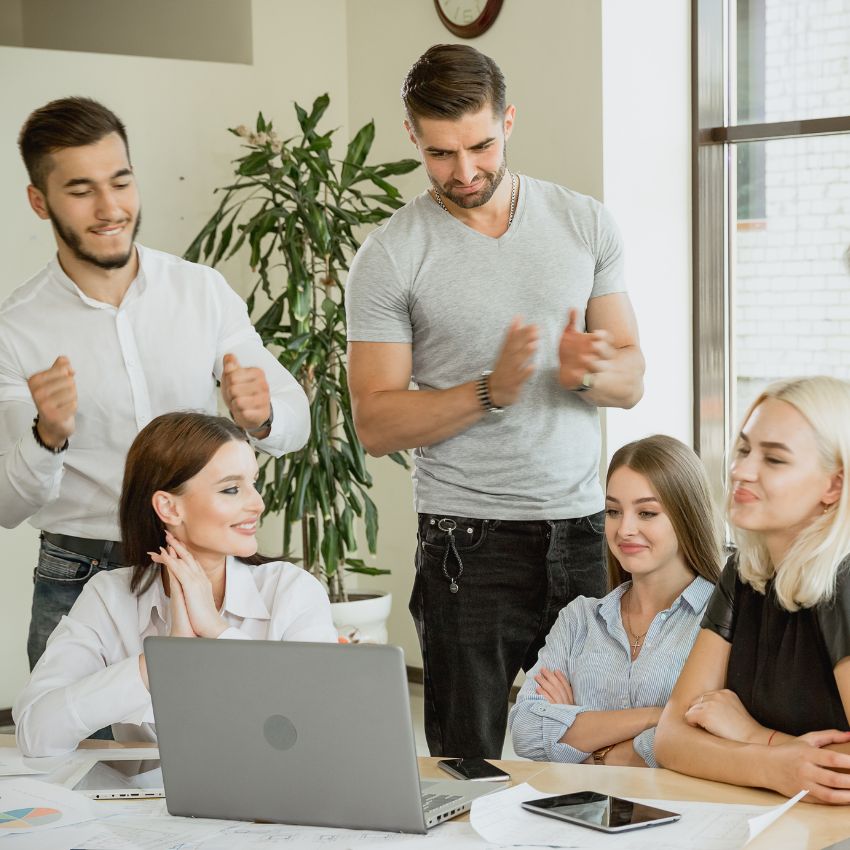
301	733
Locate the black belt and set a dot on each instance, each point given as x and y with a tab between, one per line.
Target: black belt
95	550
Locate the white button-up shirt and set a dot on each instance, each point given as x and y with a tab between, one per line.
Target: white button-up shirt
160	350
89	678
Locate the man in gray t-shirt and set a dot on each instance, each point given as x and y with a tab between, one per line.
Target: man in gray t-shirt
502	298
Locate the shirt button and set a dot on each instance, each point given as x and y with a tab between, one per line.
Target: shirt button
663	616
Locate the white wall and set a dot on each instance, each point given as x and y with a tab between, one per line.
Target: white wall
647	186
176	113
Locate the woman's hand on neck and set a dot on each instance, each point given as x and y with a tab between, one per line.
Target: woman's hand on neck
203	600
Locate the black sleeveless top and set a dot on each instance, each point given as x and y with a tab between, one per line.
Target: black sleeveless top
781	663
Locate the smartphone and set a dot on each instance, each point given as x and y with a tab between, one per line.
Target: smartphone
477	768
600	811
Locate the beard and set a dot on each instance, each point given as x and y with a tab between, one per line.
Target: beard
492	180
75	242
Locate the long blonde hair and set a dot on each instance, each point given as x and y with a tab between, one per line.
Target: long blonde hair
678	478
806	575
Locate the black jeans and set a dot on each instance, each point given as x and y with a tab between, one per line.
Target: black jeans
485	596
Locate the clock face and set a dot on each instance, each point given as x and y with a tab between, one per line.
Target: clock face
468	18
462	12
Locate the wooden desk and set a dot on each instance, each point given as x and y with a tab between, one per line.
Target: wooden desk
807	826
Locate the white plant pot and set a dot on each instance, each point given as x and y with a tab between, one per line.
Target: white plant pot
363	620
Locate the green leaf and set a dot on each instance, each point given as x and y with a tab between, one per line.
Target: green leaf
356	153
401	166
371	522
226	234
400	458
330	548
368	571
320	105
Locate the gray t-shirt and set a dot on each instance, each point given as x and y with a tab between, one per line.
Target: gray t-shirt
425	278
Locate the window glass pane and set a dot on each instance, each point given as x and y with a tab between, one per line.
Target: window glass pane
792	59
791	269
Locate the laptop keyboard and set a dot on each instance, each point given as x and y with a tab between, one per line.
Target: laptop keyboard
432	802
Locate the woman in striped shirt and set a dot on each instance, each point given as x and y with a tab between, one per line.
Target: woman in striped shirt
609	665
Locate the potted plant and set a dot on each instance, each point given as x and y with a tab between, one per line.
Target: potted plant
296	212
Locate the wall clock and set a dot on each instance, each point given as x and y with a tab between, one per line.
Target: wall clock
468	18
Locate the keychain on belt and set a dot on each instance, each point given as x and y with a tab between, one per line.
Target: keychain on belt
449	526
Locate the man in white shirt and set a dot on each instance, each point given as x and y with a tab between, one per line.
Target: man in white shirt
106	337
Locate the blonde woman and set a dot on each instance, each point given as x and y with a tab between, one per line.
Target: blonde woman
609	665
764	699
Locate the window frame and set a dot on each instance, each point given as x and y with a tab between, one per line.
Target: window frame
715	134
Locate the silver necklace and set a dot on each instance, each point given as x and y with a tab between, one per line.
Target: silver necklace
511	212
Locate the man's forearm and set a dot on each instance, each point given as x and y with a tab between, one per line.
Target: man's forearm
621	383
393	420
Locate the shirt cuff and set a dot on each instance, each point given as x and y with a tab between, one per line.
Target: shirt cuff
272	442
644	746
290	424
554	721
43	464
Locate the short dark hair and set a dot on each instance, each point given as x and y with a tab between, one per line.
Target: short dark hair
449	81
166	453
66	123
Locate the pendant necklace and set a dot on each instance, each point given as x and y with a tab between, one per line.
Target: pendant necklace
638	639
511	210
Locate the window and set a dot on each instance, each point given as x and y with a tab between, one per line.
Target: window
771	204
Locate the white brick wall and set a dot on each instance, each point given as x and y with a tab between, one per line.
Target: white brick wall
791	304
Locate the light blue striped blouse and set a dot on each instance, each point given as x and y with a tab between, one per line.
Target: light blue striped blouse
588	642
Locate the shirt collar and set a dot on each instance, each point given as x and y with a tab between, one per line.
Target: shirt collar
241	596
696	595
153	599
137	286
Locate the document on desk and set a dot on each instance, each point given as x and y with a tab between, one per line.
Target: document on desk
29	806
283	837
499	819
12	763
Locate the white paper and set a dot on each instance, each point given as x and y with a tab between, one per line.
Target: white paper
28	806
446	836
12	763
499	819
760	823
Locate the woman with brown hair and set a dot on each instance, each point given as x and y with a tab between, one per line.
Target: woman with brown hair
609	665
189	514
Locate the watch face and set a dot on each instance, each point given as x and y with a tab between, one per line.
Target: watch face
462	12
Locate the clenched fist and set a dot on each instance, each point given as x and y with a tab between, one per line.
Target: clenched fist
54	392
246	393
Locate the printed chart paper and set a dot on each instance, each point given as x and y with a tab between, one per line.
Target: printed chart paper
28	806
